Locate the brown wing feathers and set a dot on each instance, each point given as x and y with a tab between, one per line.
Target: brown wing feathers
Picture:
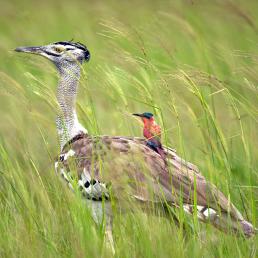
134	170
117	156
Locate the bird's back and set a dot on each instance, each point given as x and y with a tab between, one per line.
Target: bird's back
134	170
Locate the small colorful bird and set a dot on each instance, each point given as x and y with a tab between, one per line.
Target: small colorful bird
152	132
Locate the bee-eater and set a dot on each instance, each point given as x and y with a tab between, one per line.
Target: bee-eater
152	132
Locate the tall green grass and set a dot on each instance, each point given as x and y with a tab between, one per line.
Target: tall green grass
192	63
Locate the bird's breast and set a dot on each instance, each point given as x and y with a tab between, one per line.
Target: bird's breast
146	133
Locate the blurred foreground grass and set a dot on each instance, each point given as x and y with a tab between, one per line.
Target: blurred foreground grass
193	63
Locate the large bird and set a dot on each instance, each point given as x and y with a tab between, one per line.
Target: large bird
125	168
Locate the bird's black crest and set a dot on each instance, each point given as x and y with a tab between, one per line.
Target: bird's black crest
71	43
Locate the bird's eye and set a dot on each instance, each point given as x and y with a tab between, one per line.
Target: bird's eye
58	50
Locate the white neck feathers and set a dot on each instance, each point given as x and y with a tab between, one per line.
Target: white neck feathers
67	122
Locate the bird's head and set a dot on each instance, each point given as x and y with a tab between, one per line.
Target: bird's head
146	117
60	52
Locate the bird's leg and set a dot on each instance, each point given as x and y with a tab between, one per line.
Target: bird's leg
101	213
109	235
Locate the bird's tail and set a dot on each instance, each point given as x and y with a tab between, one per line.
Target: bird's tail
220	212
223	221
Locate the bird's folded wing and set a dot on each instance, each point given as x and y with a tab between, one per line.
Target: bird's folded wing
133	169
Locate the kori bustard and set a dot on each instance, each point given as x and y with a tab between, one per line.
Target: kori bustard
126	166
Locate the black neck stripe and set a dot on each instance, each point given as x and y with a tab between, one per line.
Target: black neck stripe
74	139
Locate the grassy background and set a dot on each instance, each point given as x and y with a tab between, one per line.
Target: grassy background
192	63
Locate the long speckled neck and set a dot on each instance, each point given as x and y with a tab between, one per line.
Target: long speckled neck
67	122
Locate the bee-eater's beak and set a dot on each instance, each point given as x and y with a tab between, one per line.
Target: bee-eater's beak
32	50
140	115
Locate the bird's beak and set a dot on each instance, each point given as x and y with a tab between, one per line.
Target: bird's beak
140	115
32	50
